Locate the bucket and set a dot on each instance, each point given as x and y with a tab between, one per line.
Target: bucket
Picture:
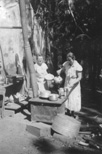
49	84
66	125
49	78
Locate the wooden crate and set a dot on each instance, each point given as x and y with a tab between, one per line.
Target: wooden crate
39	129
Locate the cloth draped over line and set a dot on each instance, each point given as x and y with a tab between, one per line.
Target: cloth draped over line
41	72
73	102
11	40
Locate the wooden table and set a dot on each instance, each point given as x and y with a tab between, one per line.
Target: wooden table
45	110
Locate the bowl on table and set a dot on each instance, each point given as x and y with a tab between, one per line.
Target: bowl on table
53	97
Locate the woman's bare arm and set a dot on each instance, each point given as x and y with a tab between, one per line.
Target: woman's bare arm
79	76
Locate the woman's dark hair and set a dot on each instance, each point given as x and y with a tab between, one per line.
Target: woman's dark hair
71	55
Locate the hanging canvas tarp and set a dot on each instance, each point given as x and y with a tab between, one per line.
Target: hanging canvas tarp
11	41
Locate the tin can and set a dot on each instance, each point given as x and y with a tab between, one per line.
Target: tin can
65	91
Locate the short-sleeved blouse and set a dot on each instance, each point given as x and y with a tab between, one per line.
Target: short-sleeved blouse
41	71
71	71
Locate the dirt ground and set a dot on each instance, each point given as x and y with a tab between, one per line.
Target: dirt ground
14	139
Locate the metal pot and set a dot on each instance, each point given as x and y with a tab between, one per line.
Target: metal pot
53	97
49	84
49	80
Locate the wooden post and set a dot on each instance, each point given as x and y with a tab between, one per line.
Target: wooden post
27	47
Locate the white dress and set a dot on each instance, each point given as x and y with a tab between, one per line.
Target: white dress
74	100
41	72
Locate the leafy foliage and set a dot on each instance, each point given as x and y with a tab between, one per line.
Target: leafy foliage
66	19
73	25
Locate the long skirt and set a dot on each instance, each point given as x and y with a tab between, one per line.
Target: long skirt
74	100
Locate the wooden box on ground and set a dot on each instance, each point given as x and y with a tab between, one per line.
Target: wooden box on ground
39	129
44	110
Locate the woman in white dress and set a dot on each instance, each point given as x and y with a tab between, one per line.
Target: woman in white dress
73	71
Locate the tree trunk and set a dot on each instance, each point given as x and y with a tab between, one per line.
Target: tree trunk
27	47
